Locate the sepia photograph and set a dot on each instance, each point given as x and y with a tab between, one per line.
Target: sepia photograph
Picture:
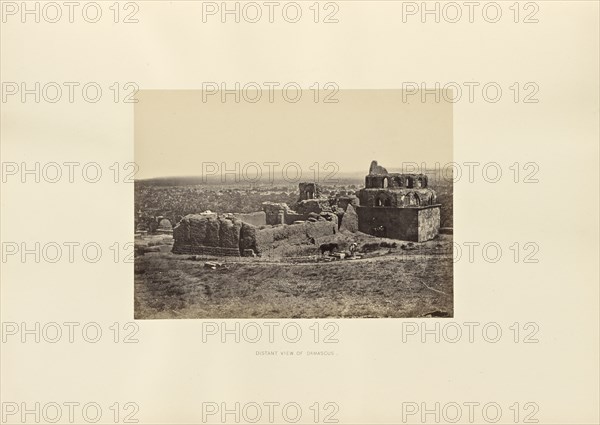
299	212
307	237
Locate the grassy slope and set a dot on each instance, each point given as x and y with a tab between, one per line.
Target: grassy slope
170	286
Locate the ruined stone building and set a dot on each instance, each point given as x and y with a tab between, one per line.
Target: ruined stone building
311	206
398	206
228	235
392	205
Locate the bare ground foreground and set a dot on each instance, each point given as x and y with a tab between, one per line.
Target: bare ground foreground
385	283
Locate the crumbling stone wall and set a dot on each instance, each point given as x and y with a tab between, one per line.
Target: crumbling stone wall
310	206
263	240
228	235
397	198
260	232
275	213
196	232
248	235
313	206
429	223
309	191
343	201
396	181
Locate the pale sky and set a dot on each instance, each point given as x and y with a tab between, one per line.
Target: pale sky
176	131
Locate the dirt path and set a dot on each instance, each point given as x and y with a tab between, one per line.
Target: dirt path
382	258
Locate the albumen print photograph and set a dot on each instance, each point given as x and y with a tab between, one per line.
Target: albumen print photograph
300	212
333	204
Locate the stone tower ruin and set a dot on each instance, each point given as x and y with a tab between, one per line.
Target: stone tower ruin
309	191
398	206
